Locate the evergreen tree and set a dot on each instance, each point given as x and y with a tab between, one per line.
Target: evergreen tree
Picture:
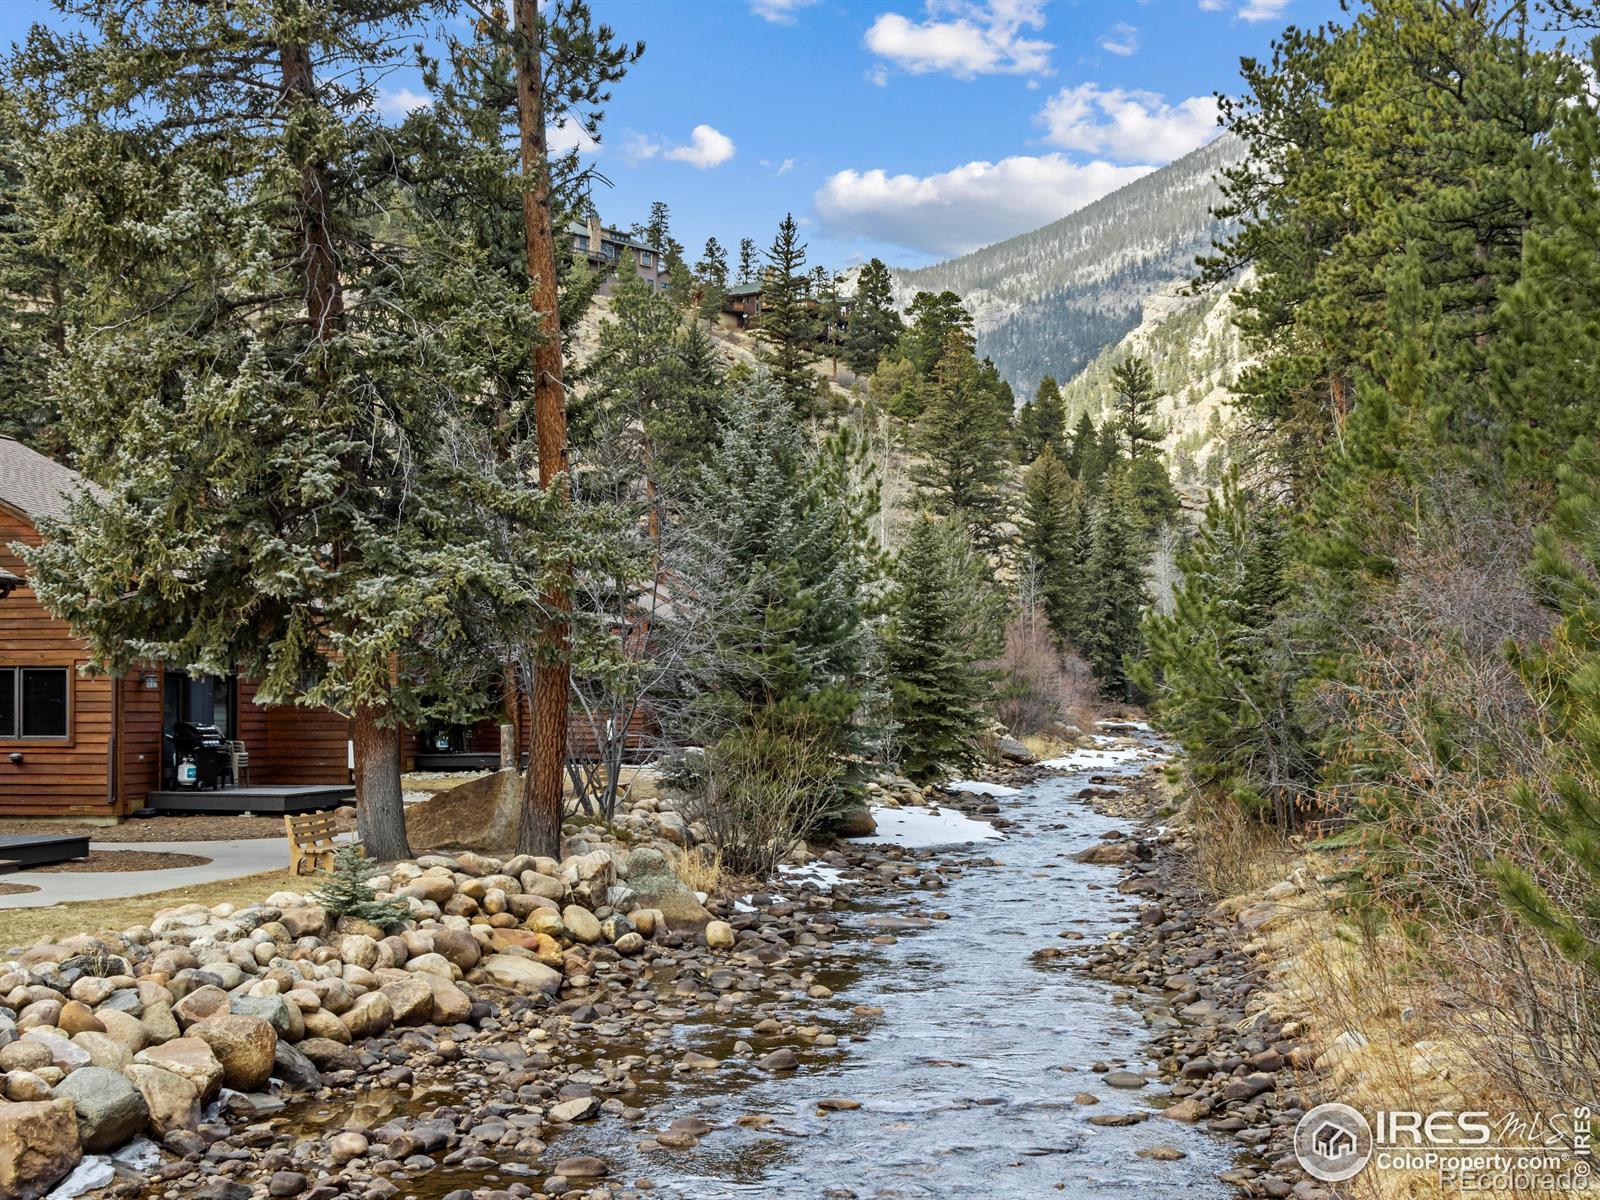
938	693
875	325
657	234
934	319
274	391
1564	676
1115	586
896	388
961	438
1040	420
1135	397
794	645
38	294
1082	458
1051	520
787	325
711	273
749	260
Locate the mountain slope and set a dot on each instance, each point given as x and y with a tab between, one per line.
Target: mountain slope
1046	302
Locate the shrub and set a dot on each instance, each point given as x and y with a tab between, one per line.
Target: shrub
348	894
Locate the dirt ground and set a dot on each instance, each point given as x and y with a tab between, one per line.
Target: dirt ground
190	827
123	860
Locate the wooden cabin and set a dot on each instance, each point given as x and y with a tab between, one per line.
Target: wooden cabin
92	747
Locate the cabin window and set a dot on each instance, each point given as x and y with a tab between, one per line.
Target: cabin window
644	258
33	702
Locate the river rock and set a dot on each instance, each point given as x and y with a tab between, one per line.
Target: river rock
244	1045
581	924
369	1016
719	935
583	1108
187	1056
172	1100
109	1109
199	1004
410	1000
76	1017
38	1147
651	879
521	974
103	1051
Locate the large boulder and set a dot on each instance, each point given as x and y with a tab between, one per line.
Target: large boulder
855	821
38	1146
110	1110
655	886
173	1101
410	999
368	1016
189	1057
581	924
481	814
243	1044
520	974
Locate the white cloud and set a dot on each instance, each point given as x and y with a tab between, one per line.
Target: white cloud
401	101
707	147
879	75
1122	39
779	12
1213	5
965	38
786	166
1129	126
1263	10
567	134
959	210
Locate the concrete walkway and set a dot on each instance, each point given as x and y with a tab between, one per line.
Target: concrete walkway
229	860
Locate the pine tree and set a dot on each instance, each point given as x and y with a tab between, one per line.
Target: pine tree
787	325
749	260
937	691
38	293
1083	458
1050	412
1564	676
349	892
711	273
875	325
961	438
1133	385
934	318
1115	585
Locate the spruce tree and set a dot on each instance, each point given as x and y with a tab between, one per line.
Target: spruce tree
937	690
787	325
1115	585
791	643
749	260
283	365
1083	456
875	325
961	439
1051	535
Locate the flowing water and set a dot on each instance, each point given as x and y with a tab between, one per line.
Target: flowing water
967	1080
968	1054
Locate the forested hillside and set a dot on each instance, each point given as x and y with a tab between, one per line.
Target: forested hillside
1046	302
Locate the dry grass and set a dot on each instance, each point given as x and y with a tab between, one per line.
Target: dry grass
1234	854
700	869
25	926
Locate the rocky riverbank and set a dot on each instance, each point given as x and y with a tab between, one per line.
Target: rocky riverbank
1192	969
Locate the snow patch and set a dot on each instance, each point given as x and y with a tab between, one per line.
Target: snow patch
823	877
1089	760
920	828
976	787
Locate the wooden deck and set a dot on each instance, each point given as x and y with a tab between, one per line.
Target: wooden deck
463	761
40	850
264	801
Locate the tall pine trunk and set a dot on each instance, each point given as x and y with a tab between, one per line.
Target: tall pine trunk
380	810
539	831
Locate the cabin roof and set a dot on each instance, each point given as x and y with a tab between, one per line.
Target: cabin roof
743	289
608	234
35	485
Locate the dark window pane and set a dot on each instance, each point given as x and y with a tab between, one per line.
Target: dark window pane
44	703
8	702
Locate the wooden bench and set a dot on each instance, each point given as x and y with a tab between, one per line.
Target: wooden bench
312	838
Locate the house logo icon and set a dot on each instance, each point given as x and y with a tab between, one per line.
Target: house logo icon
1333	1142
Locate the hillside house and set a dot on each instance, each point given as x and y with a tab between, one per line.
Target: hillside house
616	251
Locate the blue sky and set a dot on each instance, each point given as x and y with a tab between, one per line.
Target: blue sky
907	129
